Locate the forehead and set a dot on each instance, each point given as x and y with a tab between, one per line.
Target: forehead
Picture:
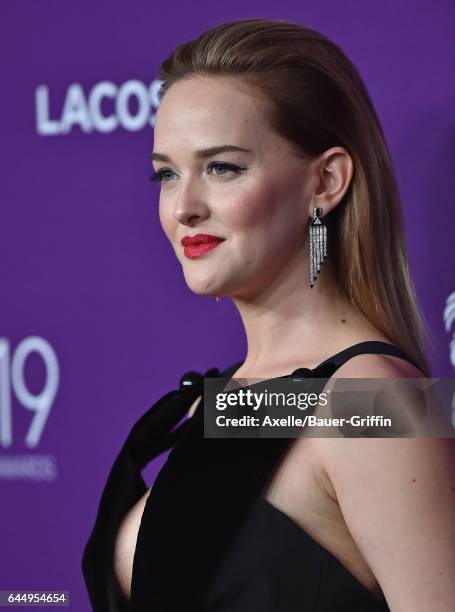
200	110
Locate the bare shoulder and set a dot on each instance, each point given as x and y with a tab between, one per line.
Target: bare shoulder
397	497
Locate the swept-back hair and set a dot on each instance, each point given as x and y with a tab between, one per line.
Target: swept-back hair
316	99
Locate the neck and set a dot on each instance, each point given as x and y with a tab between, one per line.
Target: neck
290	325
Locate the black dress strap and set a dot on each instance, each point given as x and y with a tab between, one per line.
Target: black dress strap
328	367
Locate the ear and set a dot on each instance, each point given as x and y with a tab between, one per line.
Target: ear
331	176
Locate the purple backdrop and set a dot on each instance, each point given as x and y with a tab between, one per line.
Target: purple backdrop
96	320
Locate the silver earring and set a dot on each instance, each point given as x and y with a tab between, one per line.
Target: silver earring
318	245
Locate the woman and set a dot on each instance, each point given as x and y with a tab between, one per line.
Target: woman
261	123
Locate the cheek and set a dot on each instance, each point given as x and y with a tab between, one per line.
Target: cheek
267	223
269	212
250	208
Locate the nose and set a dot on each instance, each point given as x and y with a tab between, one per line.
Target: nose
190	206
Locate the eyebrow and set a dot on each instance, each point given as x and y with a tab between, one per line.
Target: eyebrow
201	153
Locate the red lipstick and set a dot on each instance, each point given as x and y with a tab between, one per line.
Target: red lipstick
195	246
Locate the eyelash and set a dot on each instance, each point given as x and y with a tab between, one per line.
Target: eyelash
158	176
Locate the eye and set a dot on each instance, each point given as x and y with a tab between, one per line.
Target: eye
225	166
161	175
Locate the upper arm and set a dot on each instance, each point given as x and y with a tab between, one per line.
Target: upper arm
397	496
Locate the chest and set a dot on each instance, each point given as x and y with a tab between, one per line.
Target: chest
299	489
125	545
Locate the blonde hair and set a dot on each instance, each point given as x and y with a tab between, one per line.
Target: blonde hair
316	99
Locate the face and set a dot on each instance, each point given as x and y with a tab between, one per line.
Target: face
253	196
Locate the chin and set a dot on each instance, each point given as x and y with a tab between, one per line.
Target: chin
201	292
202	288
214	279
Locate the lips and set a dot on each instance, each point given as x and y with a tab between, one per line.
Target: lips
200	239
196	246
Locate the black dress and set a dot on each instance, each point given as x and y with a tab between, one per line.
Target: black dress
208	540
